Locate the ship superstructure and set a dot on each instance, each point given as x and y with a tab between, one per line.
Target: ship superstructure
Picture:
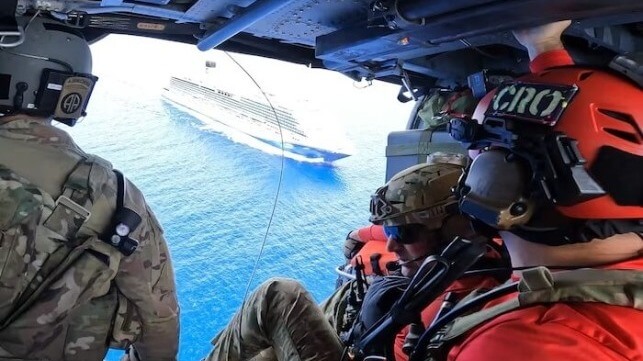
269	122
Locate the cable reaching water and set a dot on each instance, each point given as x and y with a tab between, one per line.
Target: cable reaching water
281	174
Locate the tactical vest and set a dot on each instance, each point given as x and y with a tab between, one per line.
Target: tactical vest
540	286
46	260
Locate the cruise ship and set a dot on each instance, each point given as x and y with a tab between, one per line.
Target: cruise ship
270	123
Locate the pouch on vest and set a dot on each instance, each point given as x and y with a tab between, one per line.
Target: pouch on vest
440	106
127	325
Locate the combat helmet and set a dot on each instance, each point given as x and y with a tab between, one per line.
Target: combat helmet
47	72
421	194
560	145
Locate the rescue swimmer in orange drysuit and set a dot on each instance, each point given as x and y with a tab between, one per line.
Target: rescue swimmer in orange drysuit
558	170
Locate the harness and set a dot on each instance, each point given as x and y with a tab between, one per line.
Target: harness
72	209
537	286
433	277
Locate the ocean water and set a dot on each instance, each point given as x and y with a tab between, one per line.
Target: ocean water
220	200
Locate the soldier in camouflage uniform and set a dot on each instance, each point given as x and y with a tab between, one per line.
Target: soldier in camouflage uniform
281	321
68	291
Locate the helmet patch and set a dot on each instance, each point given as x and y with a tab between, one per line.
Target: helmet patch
541	103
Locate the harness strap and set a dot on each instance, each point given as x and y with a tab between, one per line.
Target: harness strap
427	146
539	285
76	186
69	214
72	206
424	144
65	220
463	324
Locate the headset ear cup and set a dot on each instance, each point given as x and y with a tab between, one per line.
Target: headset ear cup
501	202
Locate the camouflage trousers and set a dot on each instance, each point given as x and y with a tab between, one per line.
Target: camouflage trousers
280	321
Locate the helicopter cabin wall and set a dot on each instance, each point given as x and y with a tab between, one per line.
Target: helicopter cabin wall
410	147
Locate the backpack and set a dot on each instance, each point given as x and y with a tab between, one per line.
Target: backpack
41	241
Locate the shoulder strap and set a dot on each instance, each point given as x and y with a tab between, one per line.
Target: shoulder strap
71	211
124	221
67	217
539	285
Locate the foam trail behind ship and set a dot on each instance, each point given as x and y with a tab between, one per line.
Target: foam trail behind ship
235	135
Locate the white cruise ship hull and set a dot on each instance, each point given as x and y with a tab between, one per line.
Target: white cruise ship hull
231	112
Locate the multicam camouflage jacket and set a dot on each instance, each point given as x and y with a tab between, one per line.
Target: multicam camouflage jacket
102	298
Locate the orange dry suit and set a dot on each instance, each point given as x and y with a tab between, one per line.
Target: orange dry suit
456	291
559	331
374	242
607	326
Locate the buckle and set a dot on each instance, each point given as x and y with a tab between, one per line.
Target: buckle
80	211
77	19
66	218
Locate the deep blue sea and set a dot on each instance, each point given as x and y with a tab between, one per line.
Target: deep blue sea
214	194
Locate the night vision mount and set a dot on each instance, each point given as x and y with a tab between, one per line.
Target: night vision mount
520	119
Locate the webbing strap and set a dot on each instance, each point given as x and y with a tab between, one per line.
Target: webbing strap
424	144
76	187
68	216
539	285
71	210
463	324
419	148
612	287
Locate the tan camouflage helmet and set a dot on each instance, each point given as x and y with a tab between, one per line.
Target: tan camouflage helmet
460	159
421	194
